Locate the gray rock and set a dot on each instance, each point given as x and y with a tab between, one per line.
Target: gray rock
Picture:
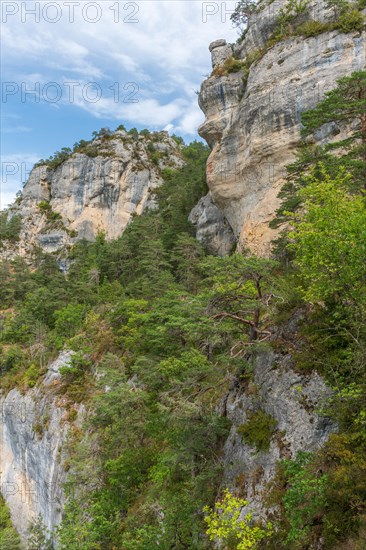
212	228
220	51
33	430
254	128
294	401
217	44
93	194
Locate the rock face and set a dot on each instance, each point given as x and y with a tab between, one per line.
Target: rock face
33	429
212	228
94	193
292	400
253	127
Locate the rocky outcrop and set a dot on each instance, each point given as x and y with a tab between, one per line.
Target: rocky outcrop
93	192
253	124
33	429
212	228
293	401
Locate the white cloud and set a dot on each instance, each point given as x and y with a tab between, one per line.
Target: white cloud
14	171
168	47
165	53
16	129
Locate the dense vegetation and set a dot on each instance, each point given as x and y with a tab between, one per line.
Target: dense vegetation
98	145
169	329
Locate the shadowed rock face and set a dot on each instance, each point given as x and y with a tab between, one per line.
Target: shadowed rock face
212	229
254	128
93	194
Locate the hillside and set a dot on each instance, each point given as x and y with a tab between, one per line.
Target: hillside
183	344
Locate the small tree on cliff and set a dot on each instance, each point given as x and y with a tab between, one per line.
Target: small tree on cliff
243	11
345	106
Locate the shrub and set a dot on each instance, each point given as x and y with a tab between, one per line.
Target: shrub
352	20
31	375
224	525
258	430
46	208
312	28
230	65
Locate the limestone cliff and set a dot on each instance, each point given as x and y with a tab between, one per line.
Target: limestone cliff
253	120
33	430
293	402
99	190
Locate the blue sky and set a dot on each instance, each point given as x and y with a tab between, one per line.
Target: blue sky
71	67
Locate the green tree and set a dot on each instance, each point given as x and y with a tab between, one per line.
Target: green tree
344	105
329	240
244	10
68	320
224	524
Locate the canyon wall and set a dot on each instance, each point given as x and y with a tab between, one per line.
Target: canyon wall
253	123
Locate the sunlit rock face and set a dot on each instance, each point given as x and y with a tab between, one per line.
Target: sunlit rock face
93	194
253	127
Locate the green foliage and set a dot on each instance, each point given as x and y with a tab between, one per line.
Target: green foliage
52	216
347	18
11	358
179	140
10	227
258	430
329	241
68	320
224	524
327	263
339	6
38	536
312	28
133	132
9	538
340	107
76	378
352	20
301	490
244	9
344	104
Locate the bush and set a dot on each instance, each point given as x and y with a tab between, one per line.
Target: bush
224	524
258	430
352	20
231	65
312	28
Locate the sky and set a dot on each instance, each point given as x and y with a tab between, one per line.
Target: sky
71	67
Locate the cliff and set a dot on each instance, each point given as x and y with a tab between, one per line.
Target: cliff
33	430
253	109
98	190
